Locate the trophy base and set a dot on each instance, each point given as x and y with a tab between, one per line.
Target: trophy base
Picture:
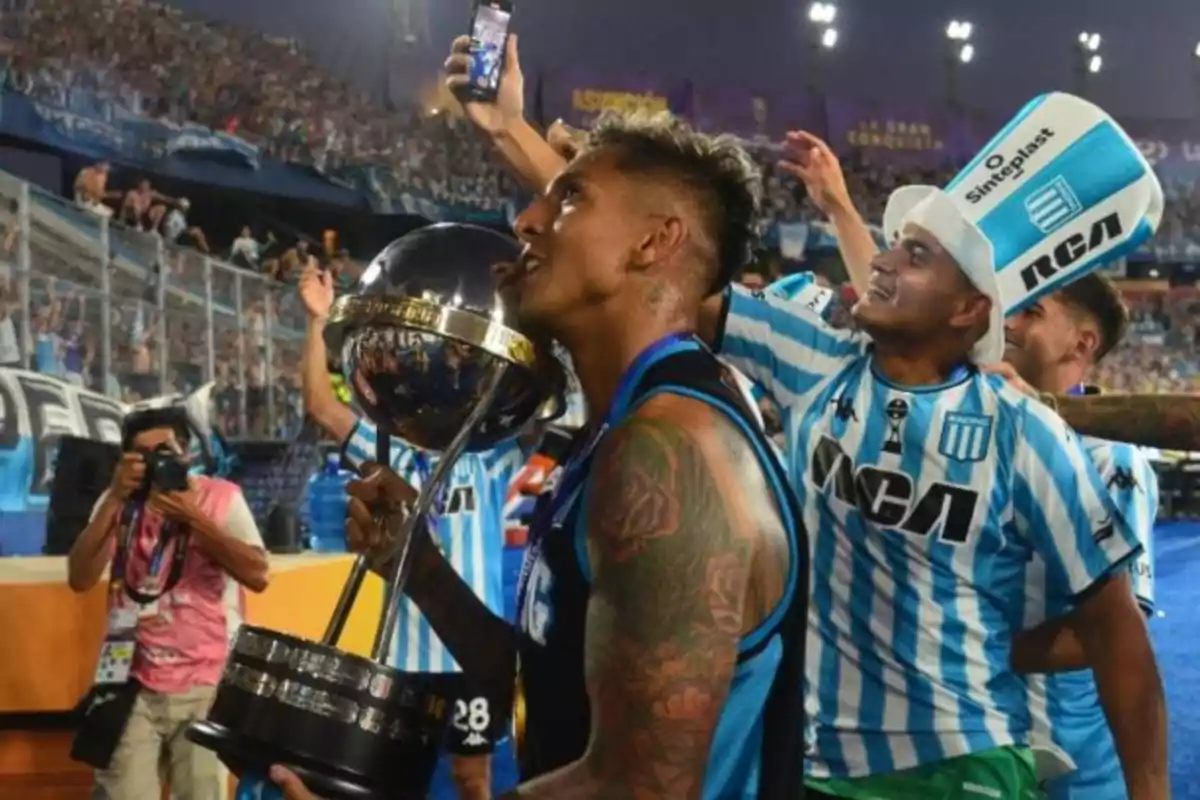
240	754
350	727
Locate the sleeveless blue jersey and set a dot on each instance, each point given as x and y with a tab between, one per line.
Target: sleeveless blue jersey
758	725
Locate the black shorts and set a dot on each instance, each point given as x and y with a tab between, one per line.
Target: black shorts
475	728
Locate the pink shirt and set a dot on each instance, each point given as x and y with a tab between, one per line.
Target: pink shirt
183	637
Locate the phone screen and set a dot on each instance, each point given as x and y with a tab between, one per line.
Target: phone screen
489	33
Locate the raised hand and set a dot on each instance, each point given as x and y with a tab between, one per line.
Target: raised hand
316	290
128	476
810	160
565	140
509	105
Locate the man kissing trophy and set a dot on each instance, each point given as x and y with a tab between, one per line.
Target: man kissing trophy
434	358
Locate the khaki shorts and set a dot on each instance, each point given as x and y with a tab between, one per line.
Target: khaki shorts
154	750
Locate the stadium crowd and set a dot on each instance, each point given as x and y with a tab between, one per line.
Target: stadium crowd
147	59
156	61
169	306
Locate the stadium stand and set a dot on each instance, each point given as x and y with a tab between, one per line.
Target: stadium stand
108	302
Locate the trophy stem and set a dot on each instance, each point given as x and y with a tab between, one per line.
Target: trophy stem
429	492
345	602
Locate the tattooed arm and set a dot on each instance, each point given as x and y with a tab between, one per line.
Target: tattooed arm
679	518
687	554
1165	421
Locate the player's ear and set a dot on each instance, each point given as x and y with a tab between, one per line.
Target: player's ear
662	241
973	312
1088	343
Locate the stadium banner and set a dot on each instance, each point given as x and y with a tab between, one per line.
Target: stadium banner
579	96
926	139
35	412
200	141
189	153
103	126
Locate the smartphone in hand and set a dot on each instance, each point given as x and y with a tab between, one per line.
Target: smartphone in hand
489	41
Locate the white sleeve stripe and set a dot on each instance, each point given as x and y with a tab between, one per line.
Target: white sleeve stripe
788	320
1055	464
360	447
796	337
783	346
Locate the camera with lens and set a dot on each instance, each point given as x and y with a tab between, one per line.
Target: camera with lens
165	472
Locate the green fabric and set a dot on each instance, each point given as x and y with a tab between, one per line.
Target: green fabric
1004	773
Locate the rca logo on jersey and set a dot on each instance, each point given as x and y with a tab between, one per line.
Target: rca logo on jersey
1071	251
461	500
1005	169
889	499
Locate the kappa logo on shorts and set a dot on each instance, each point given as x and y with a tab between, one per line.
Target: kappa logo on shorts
965	437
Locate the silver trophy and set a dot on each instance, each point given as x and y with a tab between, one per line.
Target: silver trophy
433	355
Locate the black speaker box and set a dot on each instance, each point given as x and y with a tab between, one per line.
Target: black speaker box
83	469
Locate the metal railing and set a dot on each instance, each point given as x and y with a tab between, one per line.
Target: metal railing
123	313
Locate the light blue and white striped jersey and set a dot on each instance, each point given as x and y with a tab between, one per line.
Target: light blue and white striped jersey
799	287
471	531
925	506
1066	707
802	287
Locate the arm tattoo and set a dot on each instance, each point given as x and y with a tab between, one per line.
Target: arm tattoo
1165	421
671	571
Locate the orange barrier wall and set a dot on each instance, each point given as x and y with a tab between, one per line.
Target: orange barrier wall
51	637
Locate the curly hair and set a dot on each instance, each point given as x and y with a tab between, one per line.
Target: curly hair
725	181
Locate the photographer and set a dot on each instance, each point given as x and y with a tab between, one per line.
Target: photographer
181	548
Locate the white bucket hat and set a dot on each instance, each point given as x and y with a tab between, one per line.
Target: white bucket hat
1058	192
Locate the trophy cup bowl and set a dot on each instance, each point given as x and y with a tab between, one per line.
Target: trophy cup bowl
426	329
433	356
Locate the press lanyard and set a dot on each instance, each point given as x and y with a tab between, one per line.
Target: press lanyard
574	467
125	544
